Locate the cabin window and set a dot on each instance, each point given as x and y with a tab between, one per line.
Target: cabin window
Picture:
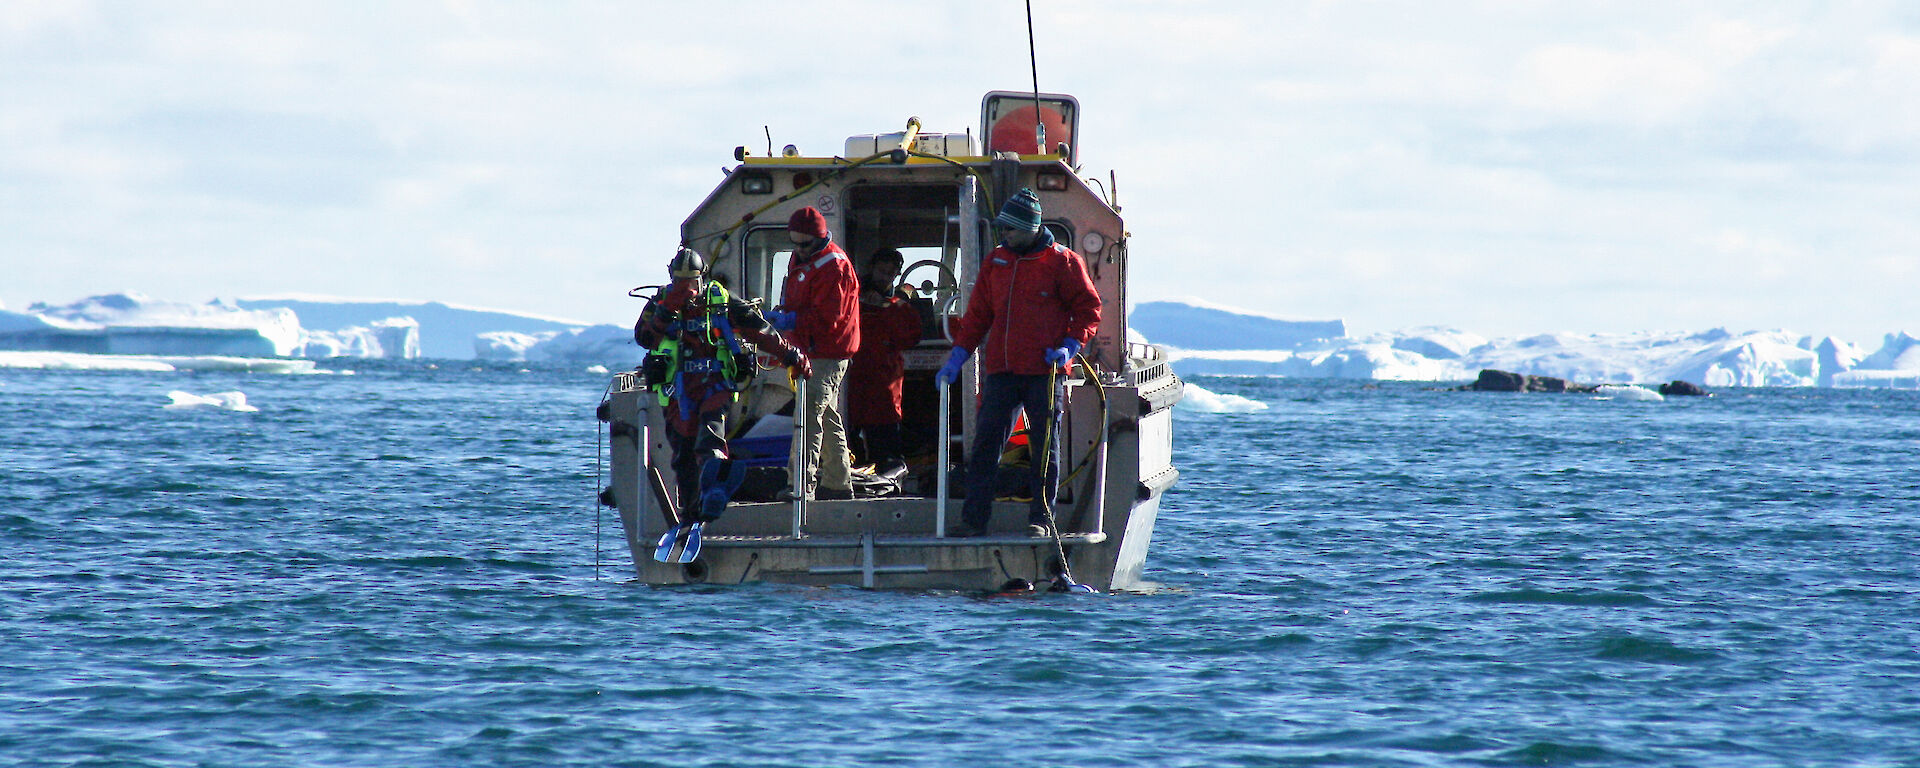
1062	233
767	251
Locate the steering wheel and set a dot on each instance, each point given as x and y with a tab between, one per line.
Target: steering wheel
948	285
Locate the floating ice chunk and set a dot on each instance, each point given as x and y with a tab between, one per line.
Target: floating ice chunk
226	401
1200	399
1629	393
75	361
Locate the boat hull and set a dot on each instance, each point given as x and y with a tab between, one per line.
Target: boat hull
895	542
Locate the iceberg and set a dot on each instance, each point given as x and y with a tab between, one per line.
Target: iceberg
599	343
131	331
1772	359
1836	357
1866	379
507	345
392	338
1439	343
1899	352
1373	360
1195	324
132	323
445	331
1716	357
135	324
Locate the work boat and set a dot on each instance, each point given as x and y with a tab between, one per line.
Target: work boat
933	196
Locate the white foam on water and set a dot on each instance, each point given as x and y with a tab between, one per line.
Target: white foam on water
596	369
225	401
76	361
1200	399
1628	393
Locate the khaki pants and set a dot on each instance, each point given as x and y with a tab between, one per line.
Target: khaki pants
826	440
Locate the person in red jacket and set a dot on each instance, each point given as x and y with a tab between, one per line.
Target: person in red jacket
820	304
1033	307
888	325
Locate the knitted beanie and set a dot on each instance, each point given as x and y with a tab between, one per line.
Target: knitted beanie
1021	212
808	221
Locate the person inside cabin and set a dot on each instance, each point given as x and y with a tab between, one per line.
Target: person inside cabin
1032	309
819	304
888	326
693	329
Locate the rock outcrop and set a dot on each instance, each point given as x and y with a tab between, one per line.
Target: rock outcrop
1492	380
1682	389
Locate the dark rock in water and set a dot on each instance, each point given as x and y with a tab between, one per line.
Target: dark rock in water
1550	384
1499	381
1682	388
1506	381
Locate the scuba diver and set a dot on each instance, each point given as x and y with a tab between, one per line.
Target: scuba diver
699	359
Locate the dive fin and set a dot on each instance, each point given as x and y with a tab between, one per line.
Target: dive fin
720	479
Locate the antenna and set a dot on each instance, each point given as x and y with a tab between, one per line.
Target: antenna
1033	61
769	130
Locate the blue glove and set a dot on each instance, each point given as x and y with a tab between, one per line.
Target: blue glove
1061	354
782	321
950	372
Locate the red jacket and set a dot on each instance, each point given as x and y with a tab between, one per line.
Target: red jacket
823	292
873	378
1025	304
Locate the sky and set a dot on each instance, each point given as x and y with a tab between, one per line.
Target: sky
1507	168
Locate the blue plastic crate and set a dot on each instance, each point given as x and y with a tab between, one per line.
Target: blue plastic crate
761	451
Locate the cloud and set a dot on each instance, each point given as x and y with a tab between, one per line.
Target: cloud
1389	162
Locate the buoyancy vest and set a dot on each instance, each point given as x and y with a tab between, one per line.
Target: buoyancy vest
704	317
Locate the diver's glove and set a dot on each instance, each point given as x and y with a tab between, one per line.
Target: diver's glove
798	366
950	372
1061	354
782	321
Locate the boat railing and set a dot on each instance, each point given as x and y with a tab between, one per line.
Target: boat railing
1145	362
1090	504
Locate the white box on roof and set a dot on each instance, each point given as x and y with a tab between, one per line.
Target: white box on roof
943	144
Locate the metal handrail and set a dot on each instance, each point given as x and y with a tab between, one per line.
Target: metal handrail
801	459
946	437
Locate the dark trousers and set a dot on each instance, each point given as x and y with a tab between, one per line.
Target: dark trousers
876	443
691	452
1000	395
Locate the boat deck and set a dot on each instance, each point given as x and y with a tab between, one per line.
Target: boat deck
820	542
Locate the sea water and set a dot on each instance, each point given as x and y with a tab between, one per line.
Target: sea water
406	567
